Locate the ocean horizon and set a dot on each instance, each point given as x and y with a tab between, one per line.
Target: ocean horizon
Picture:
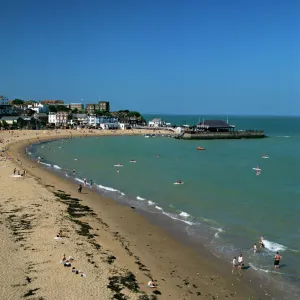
222	202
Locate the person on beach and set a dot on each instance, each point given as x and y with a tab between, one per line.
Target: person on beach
277	259
91	183
15	170
80	188
151	284
254	248
261	242
84	181
234	263
240	261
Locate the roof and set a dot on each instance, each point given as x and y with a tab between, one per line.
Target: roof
10	118
156	120
215	124
79	116
41	115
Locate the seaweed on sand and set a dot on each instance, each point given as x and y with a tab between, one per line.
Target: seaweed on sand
30	293
117	283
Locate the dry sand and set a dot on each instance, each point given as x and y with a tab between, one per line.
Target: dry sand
116	247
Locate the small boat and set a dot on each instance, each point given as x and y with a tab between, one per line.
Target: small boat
118	165
133	161
178	182
200	148
265	156
256	169
147	135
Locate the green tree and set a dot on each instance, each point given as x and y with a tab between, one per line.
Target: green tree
4	124
75	110
62	108
17	102
52	108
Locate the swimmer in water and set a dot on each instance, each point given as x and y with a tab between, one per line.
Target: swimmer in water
74	171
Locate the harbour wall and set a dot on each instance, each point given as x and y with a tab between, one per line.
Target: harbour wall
249	134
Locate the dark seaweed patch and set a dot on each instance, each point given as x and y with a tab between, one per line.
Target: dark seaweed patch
30	293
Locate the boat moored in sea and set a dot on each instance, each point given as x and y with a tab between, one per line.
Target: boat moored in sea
147	135
200	148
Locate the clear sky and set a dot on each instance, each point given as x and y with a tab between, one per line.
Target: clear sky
159	56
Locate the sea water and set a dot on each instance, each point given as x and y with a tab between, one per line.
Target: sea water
221	201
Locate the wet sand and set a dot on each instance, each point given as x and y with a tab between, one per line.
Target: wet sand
114	245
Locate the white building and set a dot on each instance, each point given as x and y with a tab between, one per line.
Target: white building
156	122
103	122
79	119
52	118
123	126
5	107
92	120
39	107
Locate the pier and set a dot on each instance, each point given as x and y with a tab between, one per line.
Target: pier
206	135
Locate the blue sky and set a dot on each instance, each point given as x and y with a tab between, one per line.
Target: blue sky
179	57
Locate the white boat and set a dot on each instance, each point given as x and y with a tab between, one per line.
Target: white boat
147	135
118	165
256	169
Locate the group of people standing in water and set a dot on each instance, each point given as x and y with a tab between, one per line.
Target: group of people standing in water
238	263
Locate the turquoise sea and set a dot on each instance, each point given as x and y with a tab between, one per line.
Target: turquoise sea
222	202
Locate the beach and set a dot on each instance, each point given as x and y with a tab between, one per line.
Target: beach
117	249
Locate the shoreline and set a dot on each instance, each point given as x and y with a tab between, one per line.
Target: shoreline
177	268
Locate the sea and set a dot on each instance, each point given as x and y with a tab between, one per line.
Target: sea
222	201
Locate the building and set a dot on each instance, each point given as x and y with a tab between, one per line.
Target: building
42	117
103	122
11	119
215	126
53	102
108	123
90	108
104	106
39	107
52	118
5	107
156	122
62	118
79	119
78	106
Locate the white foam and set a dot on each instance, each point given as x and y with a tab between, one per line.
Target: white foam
219	230
110	189
158	207
274	246
176	217
184	214
80	180
151	202
48	165
56	167
140	198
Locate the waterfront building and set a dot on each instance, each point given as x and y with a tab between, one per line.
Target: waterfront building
11	119
108	123
215	126
52	118
79	119
62	118
156	122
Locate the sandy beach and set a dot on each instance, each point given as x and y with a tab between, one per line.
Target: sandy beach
115	249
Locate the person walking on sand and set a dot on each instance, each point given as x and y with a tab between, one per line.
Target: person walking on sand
91	183
277	259
80	188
